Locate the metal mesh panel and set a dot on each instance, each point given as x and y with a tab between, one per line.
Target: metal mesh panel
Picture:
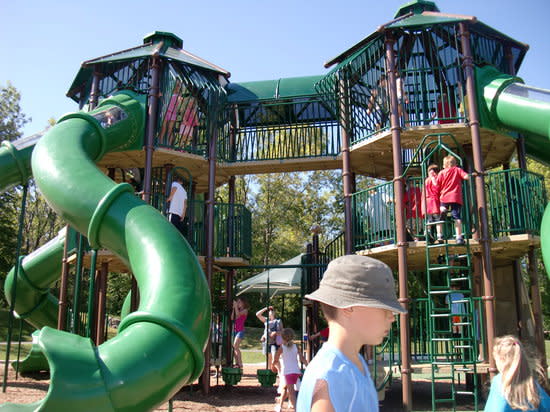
132	75
489	50
188	106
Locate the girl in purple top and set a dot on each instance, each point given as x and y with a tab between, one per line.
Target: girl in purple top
240	312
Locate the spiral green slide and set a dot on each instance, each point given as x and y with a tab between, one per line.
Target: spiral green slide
159	347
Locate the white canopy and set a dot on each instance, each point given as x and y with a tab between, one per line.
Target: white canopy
280	280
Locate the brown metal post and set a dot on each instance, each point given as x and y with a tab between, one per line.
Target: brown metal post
101	302
152	109
229	276
316	229
402	243
231	225
346	162
134	297
309	307
209	258
537	307
62	310
479	174
94	91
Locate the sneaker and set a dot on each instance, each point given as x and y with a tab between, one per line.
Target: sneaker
277	408
460	241
440	241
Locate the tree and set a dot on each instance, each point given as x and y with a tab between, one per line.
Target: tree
12	119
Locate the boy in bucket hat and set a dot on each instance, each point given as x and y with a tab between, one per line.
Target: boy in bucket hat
357	297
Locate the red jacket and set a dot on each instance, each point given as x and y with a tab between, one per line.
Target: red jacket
432	196
450	184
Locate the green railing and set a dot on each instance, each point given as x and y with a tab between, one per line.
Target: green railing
373	212
277	130
232	229
335	248
516	200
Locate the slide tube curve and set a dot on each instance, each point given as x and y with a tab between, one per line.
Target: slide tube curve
159	347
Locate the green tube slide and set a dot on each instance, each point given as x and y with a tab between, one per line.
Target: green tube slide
159	347
512	105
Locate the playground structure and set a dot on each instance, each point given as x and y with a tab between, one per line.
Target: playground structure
424	85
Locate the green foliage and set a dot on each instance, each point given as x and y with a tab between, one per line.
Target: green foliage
12	119
118	287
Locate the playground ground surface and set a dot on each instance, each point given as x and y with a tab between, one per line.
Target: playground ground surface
247	396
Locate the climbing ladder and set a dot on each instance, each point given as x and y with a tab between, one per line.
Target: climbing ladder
451	324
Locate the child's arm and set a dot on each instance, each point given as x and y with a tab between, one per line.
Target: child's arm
320	401
301	357
275	366
172	193
259	315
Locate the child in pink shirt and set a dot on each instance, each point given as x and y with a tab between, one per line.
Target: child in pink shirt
432	204
449	181
240	312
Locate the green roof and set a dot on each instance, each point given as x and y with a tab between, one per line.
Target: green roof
272	89
166	45
422	13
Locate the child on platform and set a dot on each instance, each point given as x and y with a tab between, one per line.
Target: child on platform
289	367
515	387
449	181
432	204
358	300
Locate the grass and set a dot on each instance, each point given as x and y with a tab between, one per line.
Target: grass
253	356
26	333
252	338
25	349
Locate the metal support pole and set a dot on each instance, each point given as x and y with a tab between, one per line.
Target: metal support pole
18	263
537	308
63	298
209	258
91	288
75	323
401	234
479	173
346	163
315	283
101	302
152	109
231	225
229	276
94	91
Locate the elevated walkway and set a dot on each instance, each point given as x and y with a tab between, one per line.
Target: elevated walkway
503	250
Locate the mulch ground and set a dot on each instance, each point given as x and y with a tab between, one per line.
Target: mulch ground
247	396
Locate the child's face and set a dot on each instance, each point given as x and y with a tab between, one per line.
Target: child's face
373	324
432	172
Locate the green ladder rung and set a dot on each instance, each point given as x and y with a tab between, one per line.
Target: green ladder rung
440	292
440	315
459	279
463	346
438	222
465	393
444	400
449	267
464	370
436	378
462	323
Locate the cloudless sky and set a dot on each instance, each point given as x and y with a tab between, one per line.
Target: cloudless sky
43	43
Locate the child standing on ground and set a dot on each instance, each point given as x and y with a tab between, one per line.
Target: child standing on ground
515	387
240	312
358	300
432	204
289	367
449	181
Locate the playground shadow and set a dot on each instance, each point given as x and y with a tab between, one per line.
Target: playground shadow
422	398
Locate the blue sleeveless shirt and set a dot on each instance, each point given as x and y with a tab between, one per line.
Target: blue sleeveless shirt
349	389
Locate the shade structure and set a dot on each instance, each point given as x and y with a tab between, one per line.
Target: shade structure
280	280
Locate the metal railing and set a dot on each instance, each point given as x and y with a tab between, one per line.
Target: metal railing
276	130
516	200
373	212
335	248
232	229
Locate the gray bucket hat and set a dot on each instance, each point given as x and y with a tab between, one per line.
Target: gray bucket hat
355	280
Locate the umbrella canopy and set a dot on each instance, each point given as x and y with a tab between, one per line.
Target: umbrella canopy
281	280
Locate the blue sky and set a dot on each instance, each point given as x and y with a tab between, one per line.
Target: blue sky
43	43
